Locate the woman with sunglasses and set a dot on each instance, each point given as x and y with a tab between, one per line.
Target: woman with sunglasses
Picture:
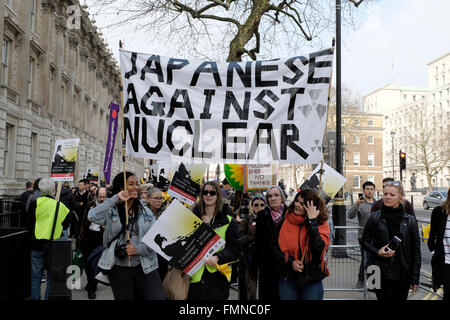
391	237
208	283
299	246
439	245
266	223
247	229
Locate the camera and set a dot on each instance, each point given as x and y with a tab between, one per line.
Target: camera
120	251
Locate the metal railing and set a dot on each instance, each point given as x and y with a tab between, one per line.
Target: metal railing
344	268
11	212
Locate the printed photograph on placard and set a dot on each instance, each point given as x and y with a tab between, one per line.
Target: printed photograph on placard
186	181
64	159
181	238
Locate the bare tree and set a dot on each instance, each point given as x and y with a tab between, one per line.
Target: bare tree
241	27
429	150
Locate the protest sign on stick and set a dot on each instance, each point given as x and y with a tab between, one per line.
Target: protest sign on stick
64	159
259	177
331	180
186	181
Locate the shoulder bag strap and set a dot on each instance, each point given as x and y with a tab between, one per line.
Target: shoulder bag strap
54	220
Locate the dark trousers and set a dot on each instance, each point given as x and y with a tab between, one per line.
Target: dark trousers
213	286
91	240
392	290
131	283
75	225
446	279
268	284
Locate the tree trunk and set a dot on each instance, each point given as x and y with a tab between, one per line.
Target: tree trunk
247	30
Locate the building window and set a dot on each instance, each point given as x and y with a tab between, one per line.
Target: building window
443	79
356	122
356	182
371	179
370	123
370	139
34	153
356	158
370	159
8	168
355	139
30	78
5	58
33	15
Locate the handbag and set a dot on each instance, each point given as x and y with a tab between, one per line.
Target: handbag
176	284
94	257
48	247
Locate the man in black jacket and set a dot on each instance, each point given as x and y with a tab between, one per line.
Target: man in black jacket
81	200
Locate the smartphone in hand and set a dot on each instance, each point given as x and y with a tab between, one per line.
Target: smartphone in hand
360	196
394	243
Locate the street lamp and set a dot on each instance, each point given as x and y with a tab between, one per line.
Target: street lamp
393	161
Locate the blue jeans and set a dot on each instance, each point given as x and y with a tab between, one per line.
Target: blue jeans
37	271
291	290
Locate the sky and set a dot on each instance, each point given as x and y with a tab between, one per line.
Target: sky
392	44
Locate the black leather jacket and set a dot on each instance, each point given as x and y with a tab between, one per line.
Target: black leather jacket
376	236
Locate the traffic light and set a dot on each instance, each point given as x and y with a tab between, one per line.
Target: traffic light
402	160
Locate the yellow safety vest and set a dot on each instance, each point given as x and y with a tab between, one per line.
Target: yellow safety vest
221	231
45	214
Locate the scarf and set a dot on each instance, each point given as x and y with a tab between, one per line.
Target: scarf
393	217
277	215
294	232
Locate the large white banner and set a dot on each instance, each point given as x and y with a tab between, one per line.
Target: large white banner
271	111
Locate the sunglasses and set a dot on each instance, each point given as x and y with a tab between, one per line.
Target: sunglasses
157	198
393	183
211	193
258	204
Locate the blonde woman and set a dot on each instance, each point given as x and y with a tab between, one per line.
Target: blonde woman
391	237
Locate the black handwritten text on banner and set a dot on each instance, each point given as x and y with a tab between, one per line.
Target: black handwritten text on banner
236	112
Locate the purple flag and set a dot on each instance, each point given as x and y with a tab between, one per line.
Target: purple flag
112	132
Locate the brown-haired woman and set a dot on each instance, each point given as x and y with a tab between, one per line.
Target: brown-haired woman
207	283
439	242
299	247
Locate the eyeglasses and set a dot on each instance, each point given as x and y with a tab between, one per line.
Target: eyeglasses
211	193
157	198
393	183
274	195
258	204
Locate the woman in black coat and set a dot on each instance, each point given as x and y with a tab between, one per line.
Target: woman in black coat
399	265
439	245
266	224
212	284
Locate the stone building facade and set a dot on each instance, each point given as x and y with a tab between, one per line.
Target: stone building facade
57	79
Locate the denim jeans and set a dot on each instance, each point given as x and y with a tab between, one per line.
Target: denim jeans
37	271
291	290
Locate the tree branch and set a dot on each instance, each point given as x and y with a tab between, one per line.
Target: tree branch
356	2
197	14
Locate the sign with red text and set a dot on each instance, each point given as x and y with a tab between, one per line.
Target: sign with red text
259	177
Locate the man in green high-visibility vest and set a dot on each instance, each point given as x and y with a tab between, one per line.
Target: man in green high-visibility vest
41	215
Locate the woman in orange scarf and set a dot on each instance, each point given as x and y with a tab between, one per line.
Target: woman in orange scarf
299	247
